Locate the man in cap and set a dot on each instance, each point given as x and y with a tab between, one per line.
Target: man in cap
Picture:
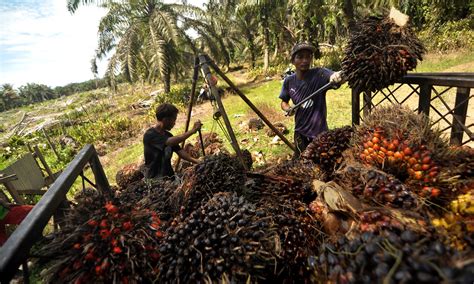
310	118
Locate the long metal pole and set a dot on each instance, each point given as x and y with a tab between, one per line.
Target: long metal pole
203	59
190	106
251	105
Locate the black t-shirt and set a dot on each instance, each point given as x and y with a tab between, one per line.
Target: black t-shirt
158	154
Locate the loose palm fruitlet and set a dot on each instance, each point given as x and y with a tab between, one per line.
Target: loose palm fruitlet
379	53
217	173
227	239
326	149
391	257
103	240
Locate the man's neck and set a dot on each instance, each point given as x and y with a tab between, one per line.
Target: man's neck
300	74
159	127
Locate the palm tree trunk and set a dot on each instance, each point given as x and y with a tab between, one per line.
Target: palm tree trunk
266	45
348	10
167	80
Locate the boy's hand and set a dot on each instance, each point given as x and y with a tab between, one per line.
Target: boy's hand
197	125
336	78
290	111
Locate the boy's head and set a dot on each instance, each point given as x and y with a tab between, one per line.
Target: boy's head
167	114
302	55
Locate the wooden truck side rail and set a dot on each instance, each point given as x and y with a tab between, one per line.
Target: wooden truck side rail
432	90
15	251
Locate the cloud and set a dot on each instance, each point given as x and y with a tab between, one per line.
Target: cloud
43	43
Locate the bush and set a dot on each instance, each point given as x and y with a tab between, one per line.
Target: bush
179	95
450	36
331	59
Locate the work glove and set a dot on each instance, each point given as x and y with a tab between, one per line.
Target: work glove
336	78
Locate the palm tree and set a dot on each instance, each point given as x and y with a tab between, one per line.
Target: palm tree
147	38
9	96
264	11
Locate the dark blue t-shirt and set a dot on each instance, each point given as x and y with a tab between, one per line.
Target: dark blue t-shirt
158	154
310	118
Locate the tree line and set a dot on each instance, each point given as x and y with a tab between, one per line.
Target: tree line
153	41
34	93
149	40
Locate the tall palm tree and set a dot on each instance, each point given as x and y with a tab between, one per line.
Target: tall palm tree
265	11
147	38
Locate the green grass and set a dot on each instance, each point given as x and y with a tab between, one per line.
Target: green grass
441	62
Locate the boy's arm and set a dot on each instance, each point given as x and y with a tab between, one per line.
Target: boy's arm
175	140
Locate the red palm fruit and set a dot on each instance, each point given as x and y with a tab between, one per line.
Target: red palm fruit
418	175
92	223
117	250
426	159
375	140
435	192
77	246
412	161
425	167
103	223
407	151
127	225
416	167
398	155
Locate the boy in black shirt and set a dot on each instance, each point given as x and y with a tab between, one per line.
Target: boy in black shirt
159	144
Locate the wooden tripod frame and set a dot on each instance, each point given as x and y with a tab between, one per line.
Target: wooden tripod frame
205	63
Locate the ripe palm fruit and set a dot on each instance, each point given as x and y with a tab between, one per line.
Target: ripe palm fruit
379	53
326	149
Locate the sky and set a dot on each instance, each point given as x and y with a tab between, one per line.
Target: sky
42	42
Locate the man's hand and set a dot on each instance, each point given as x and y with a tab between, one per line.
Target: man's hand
290	111
197	125
336	78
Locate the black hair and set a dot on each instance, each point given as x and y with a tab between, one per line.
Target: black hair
166	110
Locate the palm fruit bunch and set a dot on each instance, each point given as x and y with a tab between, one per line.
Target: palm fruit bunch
155	195
217	173
227	239
212	145
383	188
304	170
326	149
299	236
129	174
259	186
458	224
280	127
377	219
380	51
103	240
390	257
400	142
255	124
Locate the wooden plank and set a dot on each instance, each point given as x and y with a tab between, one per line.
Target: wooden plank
459	115
43	161
252	106
355	107
190	106
99	174
450	81
203	59
424	101
17	247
